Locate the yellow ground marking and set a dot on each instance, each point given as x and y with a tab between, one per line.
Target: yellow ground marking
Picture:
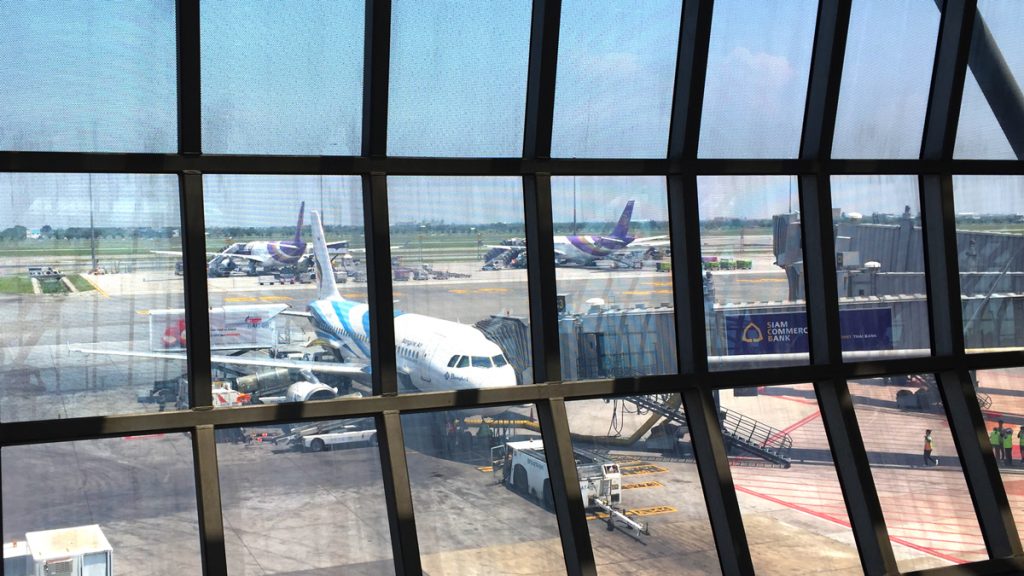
661	283
352	295
760	280
650	484
143	312
276	298
459	291
241	299
491	290
641	469
485	468
637	292
635	512
96	286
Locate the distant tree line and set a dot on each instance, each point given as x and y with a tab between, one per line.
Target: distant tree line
15	233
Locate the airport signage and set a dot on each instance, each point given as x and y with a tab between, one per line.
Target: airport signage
786	332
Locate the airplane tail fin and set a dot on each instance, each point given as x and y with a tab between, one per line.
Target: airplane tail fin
298	226
326	287
621	230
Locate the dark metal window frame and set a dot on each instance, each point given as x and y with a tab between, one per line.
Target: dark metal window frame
814	167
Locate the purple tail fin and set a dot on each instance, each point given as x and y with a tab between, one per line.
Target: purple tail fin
621	230
298	227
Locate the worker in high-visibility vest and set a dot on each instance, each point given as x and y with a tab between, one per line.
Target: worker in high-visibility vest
1020	442
996	440
928	449
1008	446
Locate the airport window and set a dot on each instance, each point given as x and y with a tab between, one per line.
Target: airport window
615	71
990	246
902	36
989	128
752	262
91	295
917	474
130	501
782	466
61	92
259	78
642	493
423	257
325	472
757	77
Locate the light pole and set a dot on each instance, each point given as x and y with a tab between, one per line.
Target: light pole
92	230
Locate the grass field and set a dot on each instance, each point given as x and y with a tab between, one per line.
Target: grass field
53	286
80	284
15	285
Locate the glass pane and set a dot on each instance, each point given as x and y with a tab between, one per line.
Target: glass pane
616	68
883	302
990	240
88	76
476	510
613	276
886	77
999	398
636	467
458	77
758	62
753	271
917	474
268	297
85	269
128	501
786	481
990	111
441	229
320	504
287	81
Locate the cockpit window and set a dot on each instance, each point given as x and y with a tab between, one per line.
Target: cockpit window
499	360
463	362
481	362
451	363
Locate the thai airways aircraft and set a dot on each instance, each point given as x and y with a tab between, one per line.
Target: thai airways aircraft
583	250
432	353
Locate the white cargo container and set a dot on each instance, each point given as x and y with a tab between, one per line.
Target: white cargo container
78	551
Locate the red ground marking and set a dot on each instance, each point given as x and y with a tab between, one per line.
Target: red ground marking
794	426
795	399
846	523
1014	487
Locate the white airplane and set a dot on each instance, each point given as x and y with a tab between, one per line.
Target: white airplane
432	354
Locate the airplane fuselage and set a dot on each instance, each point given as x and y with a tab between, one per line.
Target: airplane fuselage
431	353
585	249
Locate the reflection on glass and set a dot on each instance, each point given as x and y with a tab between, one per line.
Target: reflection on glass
645	508
989	113
459	269
886	76
87	264
786	481
458	78
753	271
480	492
88	76
990	242
319	508
999	398
288	81
916	469
616	67
128	501
758	62
612	257
271	291
880	269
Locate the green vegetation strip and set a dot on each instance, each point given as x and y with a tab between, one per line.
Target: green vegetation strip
53	286
15	285
80	284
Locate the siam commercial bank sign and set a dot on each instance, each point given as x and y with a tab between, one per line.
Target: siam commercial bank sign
785	332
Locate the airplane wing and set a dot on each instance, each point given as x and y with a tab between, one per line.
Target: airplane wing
296	313
651	242
353	370
178	253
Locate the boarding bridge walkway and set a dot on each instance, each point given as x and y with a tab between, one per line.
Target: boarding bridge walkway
744	433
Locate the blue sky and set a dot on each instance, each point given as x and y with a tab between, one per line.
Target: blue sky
100	76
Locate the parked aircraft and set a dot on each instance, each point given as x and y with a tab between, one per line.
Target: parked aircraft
432	353
584	250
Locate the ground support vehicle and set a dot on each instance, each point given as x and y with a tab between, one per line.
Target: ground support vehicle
78	551
521	466
329	435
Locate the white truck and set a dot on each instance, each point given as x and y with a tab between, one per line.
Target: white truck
523	468
78	551
326	436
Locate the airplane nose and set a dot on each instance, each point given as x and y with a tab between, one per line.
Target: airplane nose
501	377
